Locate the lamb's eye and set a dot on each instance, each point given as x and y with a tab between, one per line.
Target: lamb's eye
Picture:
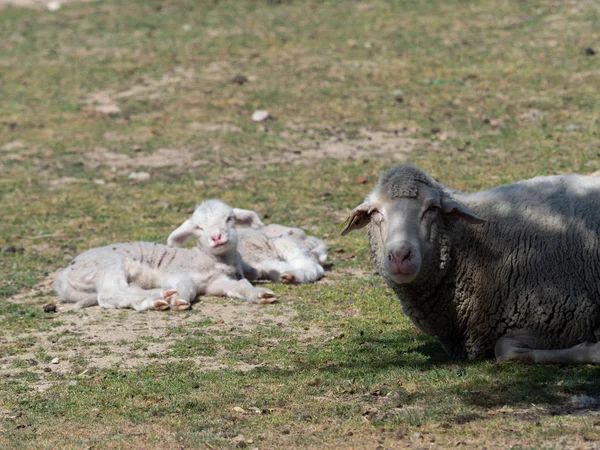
198	227
230	219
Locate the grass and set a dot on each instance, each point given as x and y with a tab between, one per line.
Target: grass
494	91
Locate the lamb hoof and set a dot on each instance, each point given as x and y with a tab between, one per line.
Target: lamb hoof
180	304
287	278
160	304
168	293
266	296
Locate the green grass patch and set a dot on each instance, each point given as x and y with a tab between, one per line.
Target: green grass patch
492	92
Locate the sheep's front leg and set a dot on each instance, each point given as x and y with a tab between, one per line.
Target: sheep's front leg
185	292
240	289
520	347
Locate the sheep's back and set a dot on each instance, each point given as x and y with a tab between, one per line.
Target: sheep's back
534	265
255	246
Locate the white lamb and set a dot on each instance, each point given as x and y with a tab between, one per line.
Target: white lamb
274	252
144	275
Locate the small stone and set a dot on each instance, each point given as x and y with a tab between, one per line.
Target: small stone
50	308
260	115
53	6
571	127
239	79
238	409
55	361
187	27
139	176
108	109
398	95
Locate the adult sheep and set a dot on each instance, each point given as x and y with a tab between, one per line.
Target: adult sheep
513	270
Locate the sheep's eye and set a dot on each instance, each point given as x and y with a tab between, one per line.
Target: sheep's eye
230	219
433	208
198	227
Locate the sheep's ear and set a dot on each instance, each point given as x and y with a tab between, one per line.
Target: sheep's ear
179	236
247	217
455	211
360	217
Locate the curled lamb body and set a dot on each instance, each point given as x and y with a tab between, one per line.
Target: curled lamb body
523	284
276	252
281	254
144	275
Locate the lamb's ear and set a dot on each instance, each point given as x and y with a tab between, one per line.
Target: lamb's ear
455	211
179	236
247	217
360	217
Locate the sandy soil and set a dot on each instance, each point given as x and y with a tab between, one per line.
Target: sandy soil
127	339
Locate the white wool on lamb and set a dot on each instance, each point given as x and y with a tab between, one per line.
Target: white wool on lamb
144	275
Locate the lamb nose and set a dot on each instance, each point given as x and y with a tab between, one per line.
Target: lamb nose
216	237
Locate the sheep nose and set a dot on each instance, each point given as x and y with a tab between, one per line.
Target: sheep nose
217	238
400	256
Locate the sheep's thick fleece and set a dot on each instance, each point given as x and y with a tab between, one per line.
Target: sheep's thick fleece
533	266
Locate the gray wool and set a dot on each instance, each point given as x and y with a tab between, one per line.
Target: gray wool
403	181
535	265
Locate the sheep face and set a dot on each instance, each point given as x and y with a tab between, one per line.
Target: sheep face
213	225
407	226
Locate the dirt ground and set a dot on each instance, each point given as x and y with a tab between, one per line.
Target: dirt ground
126	339
39	3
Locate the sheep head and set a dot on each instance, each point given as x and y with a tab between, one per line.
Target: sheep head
213	225
406	210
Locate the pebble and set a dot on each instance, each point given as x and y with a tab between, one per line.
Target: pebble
50	308
53	6
139	176
259	115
